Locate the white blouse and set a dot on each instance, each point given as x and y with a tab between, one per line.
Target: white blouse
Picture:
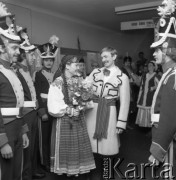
56	103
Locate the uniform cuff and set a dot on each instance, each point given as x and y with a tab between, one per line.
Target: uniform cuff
121	124
25	129
157	151
41	112
3	139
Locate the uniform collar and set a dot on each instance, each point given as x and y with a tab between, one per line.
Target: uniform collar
25	68
45	69
20	66
6	64
168	65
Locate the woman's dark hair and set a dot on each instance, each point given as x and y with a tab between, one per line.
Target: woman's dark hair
151	62
81	60
67	59
127	58
22	55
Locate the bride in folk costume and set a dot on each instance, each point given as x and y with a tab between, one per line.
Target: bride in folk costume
71	151
164	101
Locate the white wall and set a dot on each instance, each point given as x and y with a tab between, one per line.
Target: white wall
42	25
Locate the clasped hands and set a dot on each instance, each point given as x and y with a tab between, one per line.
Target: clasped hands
70	111
119	131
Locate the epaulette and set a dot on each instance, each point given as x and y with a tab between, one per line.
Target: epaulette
173	72
57	82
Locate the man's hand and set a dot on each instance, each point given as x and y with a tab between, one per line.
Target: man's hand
153	161
25	140
6	151
45	117
119	131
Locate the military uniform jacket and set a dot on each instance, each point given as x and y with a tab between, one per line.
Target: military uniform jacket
11	96
165	110
24	76
43	79
115	86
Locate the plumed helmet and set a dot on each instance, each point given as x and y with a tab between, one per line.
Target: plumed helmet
7	24
50	49
165	26
25	43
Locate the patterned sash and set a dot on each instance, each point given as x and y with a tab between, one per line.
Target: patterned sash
102	118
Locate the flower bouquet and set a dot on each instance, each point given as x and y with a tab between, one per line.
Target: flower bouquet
81	94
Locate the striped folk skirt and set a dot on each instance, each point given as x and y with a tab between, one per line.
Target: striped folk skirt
143	118
71	151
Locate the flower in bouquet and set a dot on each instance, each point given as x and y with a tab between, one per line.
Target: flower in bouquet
82	93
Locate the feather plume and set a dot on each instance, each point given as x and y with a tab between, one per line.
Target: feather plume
167	8
3	10
53	40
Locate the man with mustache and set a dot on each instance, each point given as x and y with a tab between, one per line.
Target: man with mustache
13	136
104	123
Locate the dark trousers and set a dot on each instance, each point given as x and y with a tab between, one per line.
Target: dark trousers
11	169
45	140
29	153
103	164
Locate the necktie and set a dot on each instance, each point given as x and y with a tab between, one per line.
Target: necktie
106	72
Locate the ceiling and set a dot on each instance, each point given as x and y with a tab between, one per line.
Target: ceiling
97	12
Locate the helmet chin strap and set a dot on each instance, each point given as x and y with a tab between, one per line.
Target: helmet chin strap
7	56
47	69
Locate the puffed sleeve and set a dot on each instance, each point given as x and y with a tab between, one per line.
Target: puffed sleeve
124	91
163	135
56	103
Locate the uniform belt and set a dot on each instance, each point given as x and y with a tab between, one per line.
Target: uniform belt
45	96
10	111
155	118
29	104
